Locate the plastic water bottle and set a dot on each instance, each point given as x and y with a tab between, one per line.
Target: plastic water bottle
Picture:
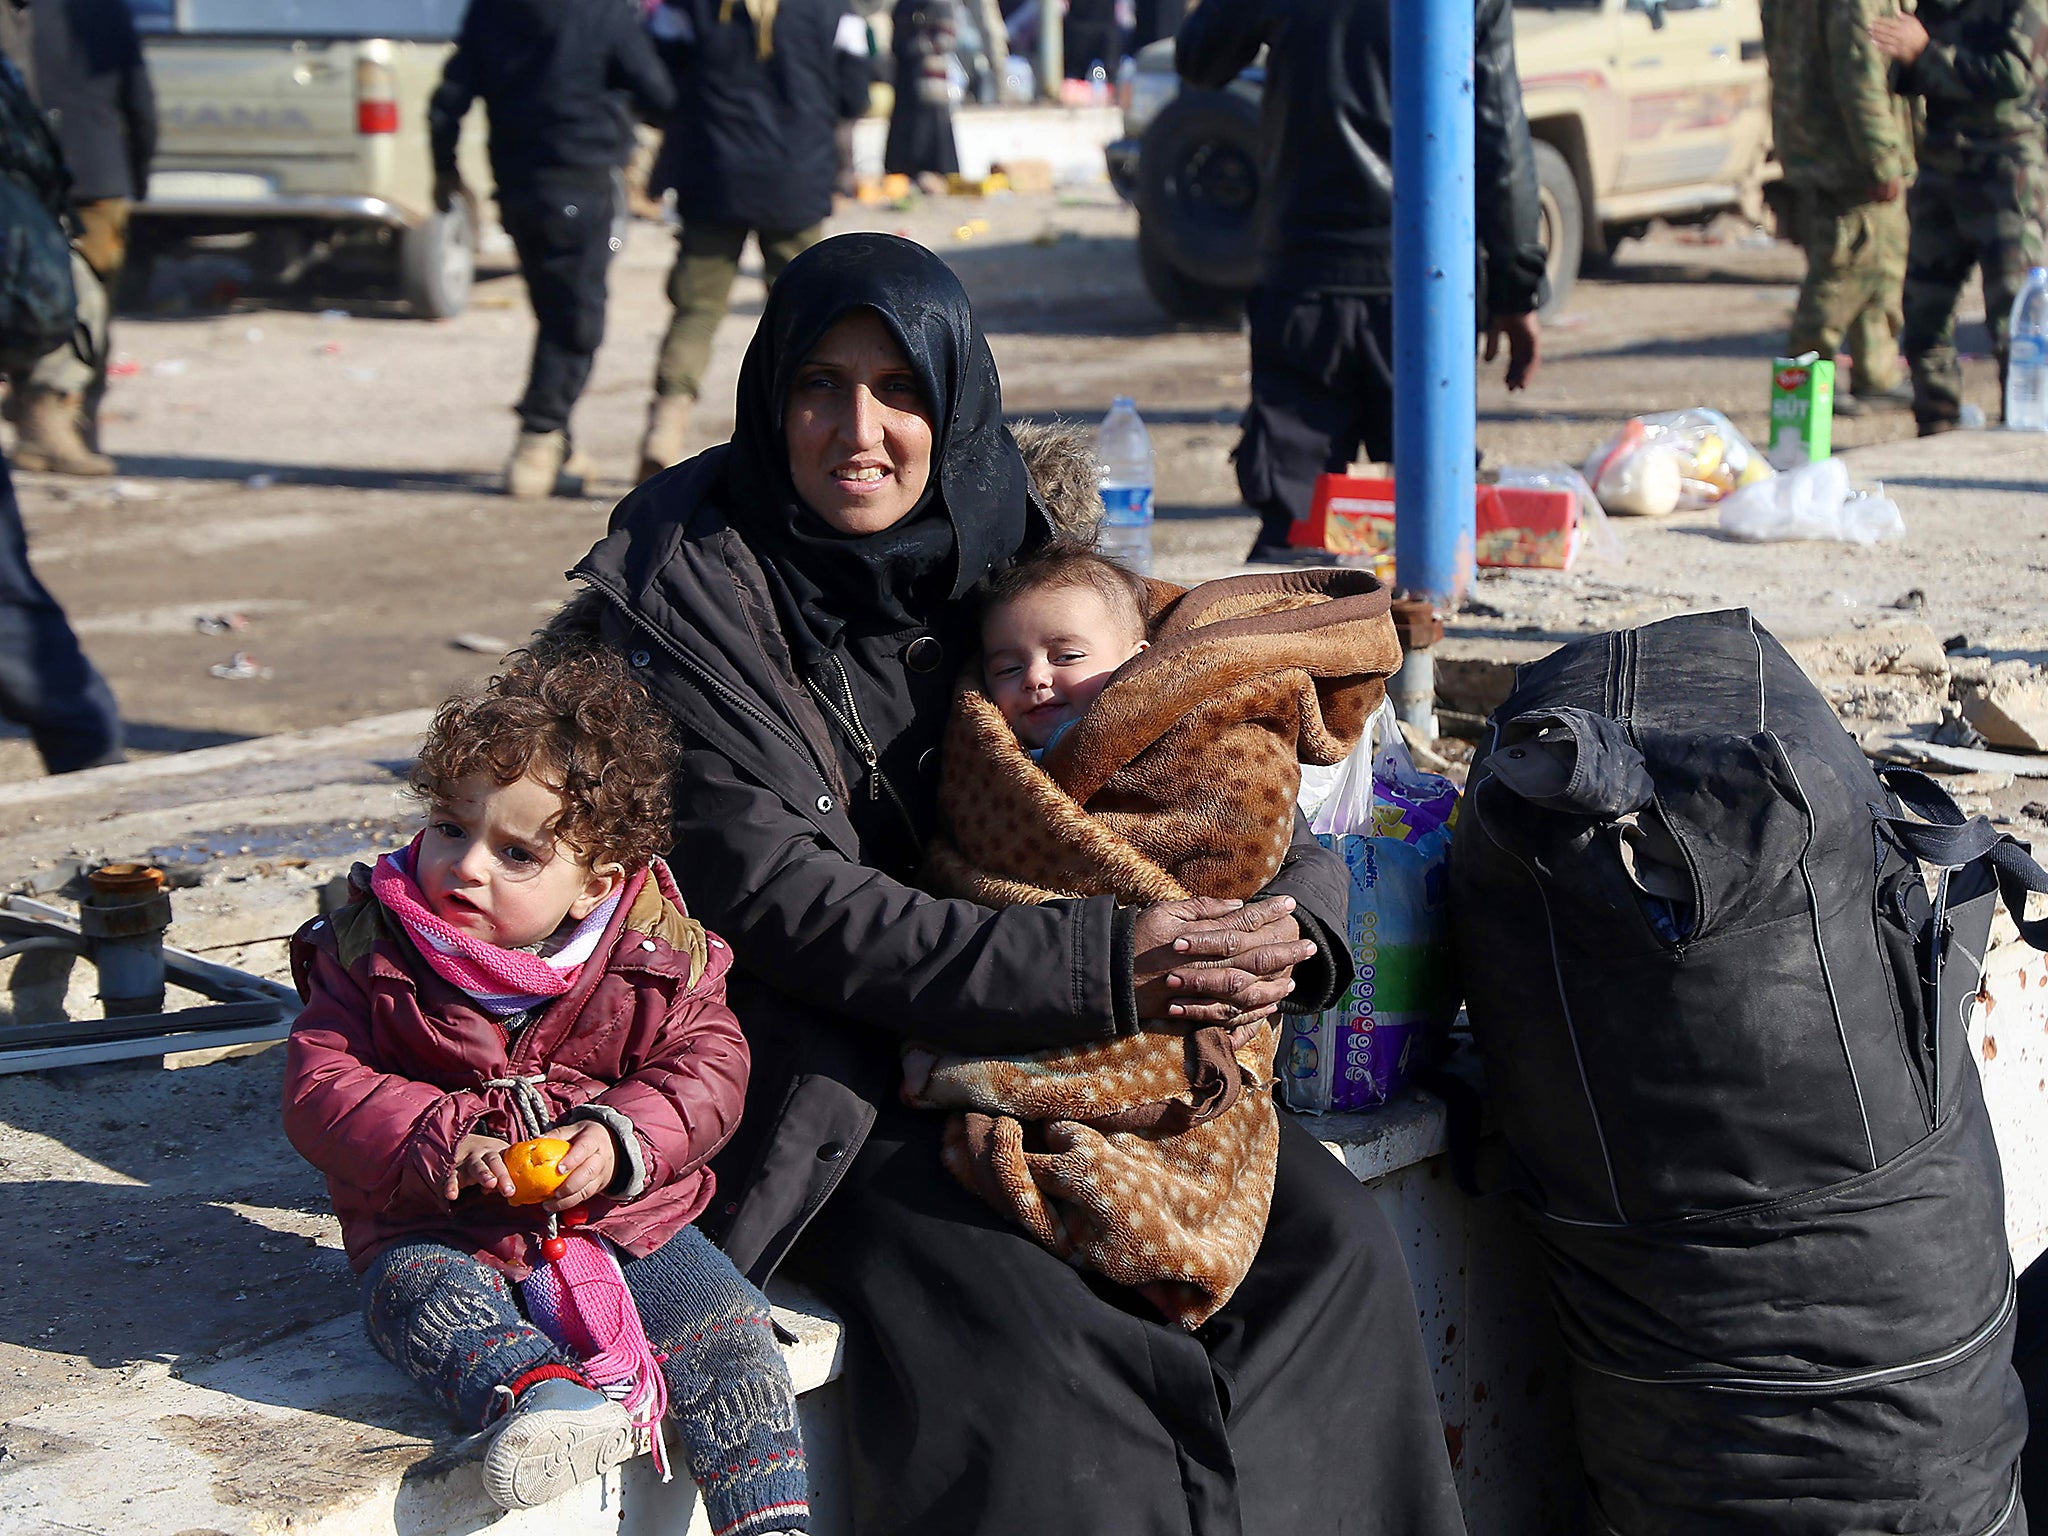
1123	468
2026	374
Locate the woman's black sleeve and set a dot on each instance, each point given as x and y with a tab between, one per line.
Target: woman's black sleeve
847	938
1320	884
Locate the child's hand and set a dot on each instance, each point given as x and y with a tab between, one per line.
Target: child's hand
589	1164
478	1164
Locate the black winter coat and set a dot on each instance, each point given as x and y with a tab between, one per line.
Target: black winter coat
1328	129
839	959
751	143
95	90
556	77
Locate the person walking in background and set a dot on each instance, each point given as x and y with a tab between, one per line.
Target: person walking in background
749	150
46	682
1978	65
1090	36
921	122
1845	139
94	89
1322	315
551	74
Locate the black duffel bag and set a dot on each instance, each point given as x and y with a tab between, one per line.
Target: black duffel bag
1723	1022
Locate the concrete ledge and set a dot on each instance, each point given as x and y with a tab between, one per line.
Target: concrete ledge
319	1435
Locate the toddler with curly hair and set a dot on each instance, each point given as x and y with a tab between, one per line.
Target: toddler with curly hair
525	968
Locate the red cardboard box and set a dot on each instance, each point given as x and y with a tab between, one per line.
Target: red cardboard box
1516	526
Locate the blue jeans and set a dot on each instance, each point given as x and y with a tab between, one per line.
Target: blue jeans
456	1327
46	683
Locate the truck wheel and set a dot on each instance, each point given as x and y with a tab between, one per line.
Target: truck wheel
1180	295
1563	221
1198	186
437	263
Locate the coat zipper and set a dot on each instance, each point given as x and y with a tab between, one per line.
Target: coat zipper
705	678
844	714
1841	1381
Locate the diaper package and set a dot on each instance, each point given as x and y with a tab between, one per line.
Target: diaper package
1392	824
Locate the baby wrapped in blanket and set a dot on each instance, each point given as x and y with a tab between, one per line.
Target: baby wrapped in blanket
1130	738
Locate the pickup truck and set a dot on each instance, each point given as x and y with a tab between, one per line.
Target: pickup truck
303	124
1639	109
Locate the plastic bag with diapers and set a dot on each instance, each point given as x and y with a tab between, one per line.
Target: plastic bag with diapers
1392	824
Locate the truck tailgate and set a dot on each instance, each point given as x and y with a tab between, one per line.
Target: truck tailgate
283	110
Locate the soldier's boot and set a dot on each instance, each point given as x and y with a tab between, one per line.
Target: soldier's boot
51	440
536	464
668	427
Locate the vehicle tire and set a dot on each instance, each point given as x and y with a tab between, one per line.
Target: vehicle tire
1563	221
437	263
1198	187
1180	295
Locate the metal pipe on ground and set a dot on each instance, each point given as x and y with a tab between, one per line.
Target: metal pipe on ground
1435	329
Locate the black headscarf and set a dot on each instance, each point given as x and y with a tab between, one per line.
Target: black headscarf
979	509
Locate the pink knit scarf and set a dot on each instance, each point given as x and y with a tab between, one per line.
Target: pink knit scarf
502	981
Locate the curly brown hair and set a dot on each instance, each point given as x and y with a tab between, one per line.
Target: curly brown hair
571	714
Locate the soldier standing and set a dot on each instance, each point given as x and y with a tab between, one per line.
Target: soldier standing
1846	141
1979	66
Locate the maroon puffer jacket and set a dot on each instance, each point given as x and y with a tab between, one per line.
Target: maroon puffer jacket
386	1066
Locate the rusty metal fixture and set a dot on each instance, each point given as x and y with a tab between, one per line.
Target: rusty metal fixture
123	921
1413	688
1417	622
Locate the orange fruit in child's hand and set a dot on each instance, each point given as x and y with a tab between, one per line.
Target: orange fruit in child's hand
536	1169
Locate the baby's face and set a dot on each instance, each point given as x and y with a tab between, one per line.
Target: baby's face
488	866
1047	653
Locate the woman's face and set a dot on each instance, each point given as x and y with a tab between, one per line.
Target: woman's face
859	428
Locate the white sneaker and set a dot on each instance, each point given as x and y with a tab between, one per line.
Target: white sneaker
557	1435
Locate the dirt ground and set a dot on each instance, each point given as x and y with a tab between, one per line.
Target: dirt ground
328	476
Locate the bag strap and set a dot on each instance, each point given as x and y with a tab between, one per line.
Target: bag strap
1944	837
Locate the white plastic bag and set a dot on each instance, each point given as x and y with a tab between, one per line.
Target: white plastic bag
1813	501
1673	460
1343	794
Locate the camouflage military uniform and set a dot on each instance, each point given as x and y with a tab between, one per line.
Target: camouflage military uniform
1979	199
1842	134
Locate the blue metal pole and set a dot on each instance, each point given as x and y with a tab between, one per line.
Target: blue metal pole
1435	319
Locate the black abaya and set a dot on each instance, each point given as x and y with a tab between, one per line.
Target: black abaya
993	1389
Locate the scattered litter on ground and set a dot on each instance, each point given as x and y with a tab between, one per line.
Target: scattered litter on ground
335	314
168	368
1911	749
1956	731
253	334
123	368
328	349
1972	417
260	482
219	623
239	668
133	490
1812	502
483	645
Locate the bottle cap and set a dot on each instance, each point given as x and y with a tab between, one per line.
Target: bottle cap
2037	272
1122	400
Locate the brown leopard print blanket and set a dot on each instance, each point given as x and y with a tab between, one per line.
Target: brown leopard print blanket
1150	1158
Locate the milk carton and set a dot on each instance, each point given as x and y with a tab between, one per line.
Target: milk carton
1802	409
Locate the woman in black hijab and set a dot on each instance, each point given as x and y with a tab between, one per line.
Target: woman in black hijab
799	598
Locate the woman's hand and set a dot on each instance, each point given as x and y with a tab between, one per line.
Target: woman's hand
1206	961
